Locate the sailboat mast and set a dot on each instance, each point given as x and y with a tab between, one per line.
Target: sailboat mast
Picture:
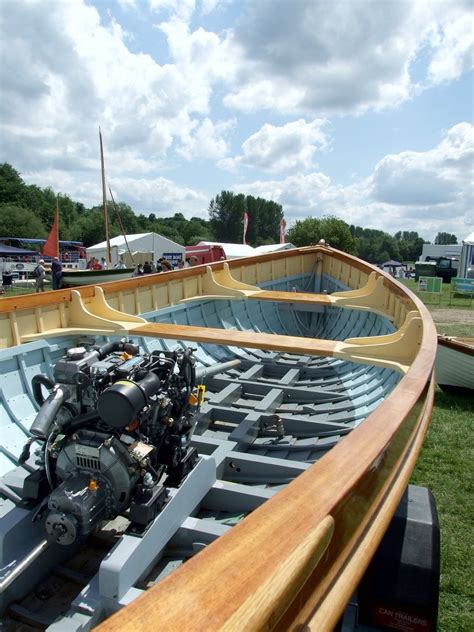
104	199
121	225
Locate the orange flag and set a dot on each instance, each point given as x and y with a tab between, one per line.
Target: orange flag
51	246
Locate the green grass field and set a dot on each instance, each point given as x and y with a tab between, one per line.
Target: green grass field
445	466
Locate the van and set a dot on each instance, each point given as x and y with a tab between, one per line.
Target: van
205	254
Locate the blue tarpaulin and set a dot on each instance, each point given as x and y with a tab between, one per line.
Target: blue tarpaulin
11	251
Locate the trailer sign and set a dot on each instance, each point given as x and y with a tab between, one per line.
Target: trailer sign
396	619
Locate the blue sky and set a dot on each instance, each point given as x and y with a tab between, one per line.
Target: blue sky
361	109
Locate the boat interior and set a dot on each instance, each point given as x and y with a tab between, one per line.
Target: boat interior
264	419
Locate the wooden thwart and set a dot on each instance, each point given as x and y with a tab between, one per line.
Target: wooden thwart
220	284
394	351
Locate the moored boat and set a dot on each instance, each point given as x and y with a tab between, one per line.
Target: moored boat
455	363
73	278
314	391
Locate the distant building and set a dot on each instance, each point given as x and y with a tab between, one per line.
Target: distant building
434	251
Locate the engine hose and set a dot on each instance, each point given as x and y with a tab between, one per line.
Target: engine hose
36	383
48	411
71	425
116	345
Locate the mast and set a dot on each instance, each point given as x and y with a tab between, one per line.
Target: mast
104	199
121	225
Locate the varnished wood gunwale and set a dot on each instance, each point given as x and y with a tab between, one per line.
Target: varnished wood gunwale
359	483
457	345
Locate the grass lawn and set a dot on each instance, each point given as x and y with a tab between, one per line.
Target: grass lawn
445	466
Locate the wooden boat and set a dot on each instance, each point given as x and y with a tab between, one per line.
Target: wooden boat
455	363
318	373
74	278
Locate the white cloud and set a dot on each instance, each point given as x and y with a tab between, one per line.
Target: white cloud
428	191
316	57
206	140
161	196
436	177
453	45
127	4
285	148
66	70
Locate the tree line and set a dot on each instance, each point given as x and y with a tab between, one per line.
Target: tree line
28	210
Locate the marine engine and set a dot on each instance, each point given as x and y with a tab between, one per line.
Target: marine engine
114	433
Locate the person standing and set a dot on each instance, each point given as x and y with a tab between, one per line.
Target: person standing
56	273
147	268
40	274
166	265
103	263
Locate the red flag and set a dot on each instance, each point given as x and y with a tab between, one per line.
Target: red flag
282	230
246	223
51	246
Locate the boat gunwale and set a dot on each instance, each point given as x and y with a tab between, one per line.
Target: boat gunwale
456	344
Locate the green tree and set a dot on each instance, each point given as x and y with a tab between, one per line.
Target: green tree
332	229
11	185
89	227
445	239
16	221
226	213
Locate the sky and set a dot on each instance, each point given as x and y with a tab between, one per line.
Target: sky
361	109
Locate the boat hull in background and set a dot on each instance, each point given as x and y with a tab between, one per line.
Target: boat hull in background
73	278
455	363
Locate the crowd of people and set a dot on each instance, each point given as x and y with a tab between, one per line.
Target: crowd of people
163	265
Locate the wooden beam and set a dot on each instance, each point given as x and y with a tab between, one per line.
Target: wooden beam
234	337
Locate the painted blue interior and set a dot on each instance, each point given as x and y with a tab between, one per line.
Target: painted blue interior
362	387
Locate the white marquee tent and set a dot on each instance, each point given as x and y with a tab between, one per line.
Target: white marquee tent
261	250
232	251
154	245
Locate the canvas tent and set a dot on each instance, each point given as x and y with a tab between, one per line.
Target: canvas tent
232	251
466	265
261	250
148	246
